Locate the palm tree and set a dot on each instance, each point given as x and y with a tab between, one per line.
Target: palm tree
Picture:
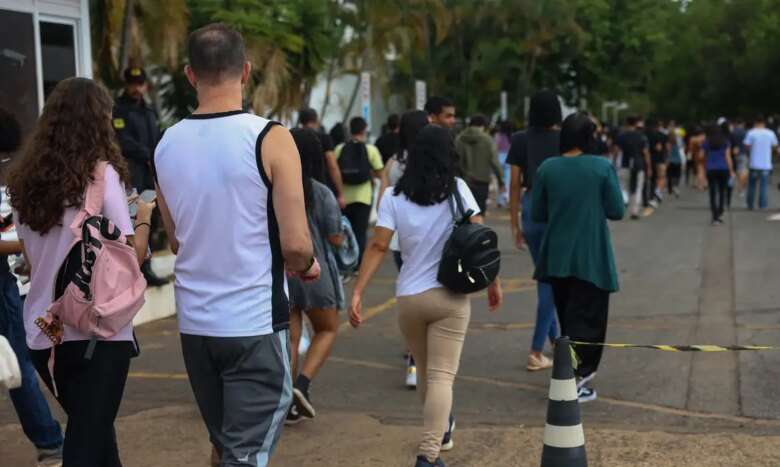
286	42
388	33
126	32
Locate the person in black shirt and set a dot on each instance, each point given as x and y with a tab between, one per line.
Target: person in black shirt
136	127
329	174
390	142
138	132
658	143
635	160
527	152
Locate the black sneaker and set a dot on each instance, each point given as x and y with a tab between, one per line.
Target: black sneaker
303	404
293	417
447	443
423	462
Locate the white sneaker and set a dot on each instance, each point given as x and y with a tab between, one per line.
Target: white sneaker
411	376
581	382
585	394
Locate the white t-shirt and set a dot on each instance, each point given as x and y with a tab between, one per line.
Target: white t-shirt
422	232
230	279
761	141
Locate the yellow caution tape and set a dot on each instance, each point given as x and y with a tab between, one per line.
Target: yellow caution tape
680	348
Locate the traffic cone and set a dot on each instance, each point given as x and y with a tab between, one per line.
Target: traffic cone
564	440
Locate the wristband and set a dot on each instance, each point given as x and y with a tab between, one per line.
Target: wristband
309	265
142	224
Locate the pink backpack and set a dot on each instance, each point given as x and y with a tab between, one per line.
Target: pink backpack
99	288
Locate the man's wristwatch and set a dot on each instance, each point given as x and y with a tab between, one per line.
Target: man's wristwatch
308	265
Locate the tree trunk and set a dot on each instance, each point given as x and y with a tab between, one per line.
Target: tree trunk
328	84
356	89
124	45
352	99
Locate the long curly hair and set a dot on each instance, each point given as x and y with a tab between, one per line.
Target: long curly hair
429	177
74	133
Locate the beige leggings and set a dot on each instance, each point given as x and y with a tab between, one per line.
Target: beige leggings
434	324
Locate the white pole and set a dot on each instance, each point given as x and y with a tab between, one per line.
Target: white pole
365	97
420	94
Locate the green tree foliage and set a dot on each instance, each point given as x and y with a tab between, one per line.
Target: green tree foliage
714	57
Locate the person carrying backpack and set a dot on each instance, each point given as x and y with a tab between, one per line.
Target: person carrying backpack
359	163
320	300
67	190
438	225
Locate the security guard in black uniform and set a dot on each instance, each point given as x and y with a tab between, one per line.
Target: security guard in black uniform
136	127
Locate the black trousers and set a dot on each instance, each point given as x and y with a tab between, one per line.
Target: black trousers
583	310
480	190
359	214
90	392
718	181
673	175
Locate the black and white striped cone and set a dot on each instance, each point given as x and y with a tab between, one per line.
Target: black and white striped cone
564	440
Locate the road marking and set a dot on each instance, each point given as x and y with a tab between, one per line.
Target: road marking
509	286
608	400
150	375
371	312
542	390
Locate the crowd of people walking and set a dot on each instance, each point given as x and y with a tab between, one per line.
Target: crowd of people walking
269	224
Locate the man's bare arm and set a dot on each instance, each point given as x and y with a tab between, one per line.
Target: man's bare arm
165	213
282	163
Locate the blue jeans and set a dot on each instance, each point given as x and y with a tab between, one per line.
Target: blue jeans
546	324
762	178
503	196
31	407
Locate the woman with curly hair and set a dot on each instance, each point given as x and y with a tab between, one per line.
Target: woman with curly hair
47	186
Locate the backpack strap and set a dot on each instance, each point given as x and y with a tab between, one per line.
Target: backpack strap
93	198
459	213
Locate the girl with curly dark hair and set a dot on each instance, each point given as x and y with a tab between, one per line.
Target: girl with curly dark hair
433	319
47	186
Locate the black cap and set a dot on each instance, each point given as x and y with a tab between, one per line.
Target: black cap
135	75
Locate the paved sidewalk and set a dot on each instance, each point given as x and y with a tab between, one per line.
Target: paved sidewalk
682	282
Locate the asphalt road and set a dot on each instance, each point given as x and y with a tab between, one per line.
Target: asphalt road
682	282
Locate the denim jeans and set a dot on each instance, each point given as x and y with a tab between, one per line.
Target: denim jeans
31	407
762	178
503	196
546	324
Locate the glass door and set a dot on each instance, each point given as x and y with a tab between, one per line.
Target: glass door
59	59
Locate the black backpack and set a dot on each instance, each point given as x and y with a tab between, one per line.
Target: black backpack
471	260
353	163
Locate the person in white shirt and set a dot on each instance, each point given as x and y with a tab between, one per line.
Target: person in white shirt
222	176
761	143
433	319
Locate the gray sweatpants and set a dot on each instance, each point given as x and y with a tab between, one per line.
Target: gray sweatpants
243	387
